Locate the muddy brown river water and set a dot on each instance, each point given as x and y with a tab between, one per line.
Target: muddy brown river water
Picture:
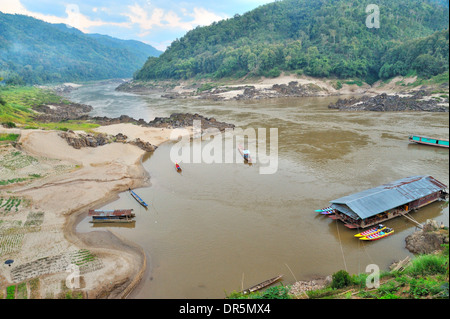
220	227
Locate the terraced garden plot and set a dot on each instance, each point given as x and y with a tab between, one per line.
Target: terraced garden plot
34	219
16	166
24	290
56	264
11	204
16	160
10	243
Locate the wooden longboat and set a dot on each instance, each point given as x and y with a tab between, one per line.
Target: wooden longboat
245	154
111	219
429	141
111	216
136	197
262	285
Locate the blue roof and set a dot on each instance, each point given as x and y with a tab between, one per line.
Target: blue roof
385	197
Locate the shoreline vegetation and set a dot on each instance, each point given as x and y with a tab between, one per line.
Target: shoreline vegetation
50	146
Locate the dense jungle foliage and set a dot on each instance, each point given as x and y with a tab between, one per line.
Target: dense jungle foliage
319	38
36	52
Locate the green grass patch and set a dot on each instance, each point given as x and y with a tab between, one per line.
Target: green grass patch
17	103
8	137
440	79
425	265
22	292
356	82
68	125
11	292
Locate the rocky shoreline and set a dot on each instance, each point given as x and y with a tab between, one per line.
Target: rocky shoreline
398	95
75	111
418	101
251	92
428	239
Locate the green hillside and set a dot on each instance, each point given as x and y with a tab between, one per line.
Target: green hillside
33	51
314	37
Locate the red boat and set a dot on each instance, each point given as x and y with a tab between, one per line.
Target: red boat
178	167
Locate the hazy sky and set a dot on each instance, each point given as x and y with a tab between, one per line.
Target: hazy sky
156	22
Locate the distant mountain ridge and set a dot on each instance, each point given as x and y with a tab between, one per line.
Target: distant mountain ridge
318	38
33	51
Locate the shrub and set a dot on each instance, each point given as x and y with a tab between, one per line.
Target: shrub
422	287
341	279
9	124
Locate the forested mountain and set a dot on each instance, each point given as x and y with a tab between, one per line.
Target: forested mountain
314	37
33	51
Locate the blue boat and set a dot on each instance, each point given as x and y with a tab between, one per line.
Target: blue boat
136	197
428	141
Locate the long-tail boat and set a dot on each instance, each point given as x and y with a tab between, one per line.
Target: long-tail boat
136	197
371	231
112	216
429	140
263	284
326	211
378	235
323	209
245	154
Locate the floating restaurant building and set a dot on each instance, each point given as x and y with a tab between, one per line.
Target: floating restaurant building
376	205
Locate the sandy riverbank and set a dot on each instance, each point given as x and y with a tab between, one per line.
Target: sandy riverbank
75	180
286	85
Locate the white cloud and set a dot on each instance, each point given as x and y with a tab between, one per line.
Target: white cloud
157	17
74	17
204	17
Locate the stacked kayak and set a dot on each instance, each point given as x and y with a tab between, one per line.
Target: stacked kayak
379	234
371	231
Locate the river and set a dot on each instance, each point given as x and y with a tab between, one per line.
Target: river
216	228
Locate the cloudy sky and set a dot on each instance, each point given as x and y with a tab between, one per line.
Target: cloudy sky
156	22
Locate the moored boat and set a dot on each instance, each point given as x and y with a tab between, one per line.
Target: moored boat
378	235
429	141
136	197
324	209
111	216
262	284
245	154
371	231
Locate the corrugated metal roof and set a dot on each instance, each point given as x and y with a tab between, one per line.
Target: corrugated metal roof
382	198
